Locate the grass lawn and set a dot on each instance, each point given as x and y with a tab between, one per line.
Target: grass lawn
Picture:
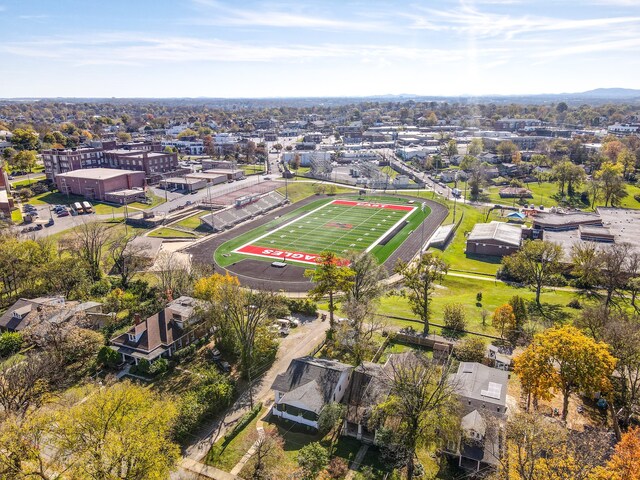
192	222
225	455
334	227
155	201
252	169
455	254
16	216
28	181
167	232
543	194
463	291
300	191
55	198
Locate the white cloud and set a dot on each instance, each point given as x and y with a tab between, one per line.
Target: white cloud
215	13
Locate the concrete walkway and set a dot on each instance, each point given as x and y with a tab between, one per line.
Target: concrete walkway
357	461
252	450
206	470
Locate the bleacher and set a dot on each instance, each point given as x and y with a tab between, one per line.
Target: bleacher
232	216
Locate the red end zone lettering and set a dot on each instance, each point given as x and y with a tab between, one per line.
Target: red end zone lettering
349	203
279	254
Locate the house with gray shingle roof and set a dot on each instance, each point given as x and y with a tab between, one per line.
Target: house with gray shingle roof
162	334
308	384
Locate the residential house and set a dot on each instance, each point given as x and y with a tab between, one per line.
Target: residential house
482	391
307	386
26	313
161	335
515	192
366	389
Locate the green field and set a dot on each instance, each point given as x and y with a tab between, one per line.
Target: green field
325	225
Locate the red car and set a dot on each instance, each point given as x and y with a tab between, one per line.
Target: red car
63	213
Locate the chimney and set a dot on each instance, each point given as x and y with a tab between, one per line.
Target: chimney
136	318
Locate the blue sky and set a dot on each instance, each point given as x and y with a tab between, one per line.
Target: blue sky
219	48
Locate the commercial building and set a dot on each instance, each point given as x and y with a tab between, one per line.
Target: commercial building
494	238
97	183
139	157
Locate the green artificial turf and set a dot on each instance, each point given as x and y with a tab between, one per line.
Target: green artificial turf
326	226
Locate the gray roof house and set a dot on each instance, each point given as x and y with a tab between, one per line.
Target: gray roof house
27	313
482	392
308	384
162	334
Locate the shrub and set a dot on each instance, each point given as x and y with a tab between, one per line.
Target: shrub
107	357
10	343
455	317
243	422
479	297
637	197
337	468
575	303
161	365
470	349
302	305
312	458
100	288
186	352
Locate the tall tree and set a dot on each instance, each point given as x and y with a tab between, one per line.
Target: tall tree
421	407
572	361
121	431
568	174
611	185
420	278
23	160
535	264
475	147
129	255
331	277
88	240
504	320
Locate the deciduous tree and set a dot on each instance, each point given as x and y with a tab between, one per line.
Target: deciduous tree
121	431
535	264
570	361
331	277
420	278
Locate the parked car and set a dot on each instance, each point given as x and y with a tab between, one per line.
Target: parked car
215	355
49	223
223	366
63	213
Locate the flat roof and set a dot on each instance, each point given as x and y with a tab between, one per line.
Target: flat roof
500	231
97	173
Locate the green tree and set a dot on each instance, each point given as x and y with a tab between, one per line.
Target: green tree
455	317
10	343
470	349
421	407
475	147
123	433
570	360
610	183
23	160
420	278
331	277
520	313
25	139
569	175
108	357
535	264
312	458
506	149
331	418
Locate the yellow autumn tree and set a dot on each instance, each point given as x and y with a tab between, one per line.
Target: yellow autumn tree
625	462
568	361
121	431
504	320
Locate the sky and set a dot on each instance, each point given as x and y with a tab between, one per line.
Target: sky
249	48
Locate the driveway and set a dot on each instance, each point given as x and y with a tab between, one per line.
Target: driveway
301	341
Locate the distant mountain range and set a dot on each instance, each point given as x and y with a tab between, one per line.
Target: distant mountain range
596	96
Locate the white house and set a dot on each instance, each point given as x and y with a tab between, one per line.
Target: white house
307	386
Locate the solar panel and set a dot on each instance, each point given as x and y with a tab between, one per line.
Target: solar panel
493	391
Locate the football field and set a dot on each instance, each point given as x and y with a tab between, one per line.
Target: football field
338	226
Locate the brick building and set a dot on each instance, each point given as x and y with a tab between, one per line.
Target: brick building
96	183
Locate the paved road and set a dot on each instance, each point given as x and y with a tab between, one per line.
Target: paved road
300	342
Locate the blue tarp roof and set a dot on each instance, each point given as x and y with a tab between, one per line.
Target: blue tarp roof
519	215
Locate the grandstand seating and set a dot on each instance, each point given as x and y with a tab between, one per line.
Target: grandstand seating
232	216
